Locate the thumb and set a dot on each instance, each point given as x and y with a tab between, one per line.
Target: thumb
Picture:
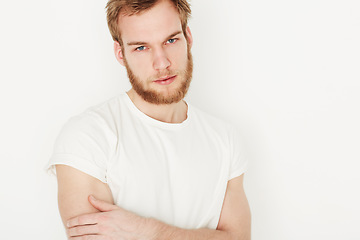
101	205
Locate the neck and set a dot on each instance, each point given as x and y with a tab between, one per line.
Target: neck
169	113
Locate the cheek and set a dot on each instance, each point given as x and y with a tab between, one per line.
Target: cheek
140	64
178	57
137	59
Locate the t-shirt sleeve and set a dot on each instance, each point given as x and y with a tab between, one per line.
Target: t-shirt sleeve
238	161
83	143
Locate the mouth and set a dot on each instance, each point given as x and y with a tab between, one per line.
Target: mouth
165	80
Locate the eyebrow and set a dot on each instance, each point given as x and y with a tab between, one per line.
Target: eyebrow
144	43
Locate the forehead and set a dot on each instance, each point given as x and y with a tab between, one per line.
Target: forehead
151	25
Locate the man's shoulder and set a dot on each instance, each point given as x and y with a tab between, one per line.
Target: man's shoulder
102	109
105	107
99	116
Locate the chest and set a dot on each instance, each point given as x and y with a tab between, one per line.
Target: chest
168	175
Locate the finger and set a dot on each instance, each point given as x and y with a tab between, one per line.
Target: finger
101	205
83	220
88	237
83	230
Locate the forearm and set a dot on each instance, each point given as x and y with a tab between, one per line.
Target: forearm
167	232
117	223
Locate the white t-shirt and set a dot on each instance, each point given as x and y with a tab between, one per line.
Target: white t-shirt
176	173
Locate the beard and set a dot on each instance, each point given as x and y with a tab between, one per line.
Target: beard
172	96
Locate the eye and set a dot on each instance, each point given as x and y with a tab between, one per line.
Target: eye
141	48
172	40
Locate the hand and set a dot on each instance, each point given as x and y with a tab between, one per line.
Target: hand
111	223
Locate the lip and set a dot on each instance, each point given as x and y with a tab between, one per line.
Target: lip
165	80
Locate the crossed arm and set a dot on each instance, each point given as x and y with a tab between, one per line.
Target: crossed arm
88	213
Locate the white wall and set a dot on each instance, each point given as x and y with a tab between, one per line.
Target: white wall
287	73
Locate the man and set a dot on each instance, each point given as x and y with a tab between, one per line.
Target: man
146	164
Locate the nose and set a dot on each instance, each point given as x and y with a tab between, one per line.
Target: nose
161	60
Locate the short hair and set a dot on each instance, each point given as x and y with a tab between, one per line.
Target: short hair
132	7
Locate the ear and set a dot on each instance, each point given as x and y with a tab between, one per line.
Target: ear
118	53
189	36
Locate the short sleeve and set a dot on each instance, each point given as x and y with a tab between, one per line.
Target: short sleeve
238	161
84	144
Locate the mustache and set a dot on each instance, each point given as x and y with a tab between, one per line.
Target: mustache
165	73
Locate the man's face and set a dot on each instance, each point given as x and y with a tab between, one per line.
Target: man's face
156	54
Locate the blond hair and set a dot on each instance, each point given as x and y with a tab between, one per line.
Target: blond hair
132	7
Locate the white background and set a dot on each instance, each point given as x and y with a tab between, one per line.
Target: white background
287	73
